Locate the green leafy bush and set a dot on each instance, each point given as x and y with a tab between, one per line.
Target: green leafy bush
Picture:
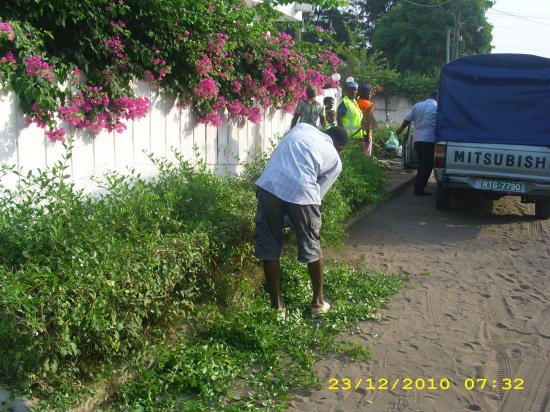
87	282
83	278
239	359
362	180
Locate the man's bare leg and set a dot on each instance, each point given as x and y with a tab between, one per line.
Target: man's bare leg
315	270
272	271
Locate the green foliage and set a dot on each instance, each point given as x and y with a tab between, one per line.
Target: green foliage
319	3
83	280
362	180
413	38
247	358
340	27
353	24
414	86
369	66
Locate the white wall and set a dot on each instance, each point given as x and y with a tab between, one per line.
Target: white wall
166	126
390	109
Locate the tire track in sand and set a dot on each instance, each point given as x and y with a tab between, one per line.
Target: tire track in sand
544	326
508	364
432	310
539	233
508	359
535	397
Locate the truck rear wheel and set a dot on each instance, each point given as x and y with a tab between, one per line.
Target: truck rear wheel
542	208
442	197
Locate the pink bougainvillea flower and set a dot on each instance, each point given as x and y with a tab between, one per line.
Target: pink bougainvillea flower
207	89
254	114
93	110
331	58
150	77
118	24
38	116
34	65
55	135
212	118
237	85
236	108
7	31
8	58
115	46
204	65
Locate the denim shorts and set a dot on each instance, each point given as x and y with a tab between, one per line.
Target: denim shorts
270	221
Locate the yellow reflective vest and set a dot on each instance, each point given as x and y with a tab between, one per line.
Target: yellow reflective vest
352	119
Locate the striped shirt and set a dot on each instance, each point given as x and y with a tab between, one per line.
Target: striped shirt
302	167
309	112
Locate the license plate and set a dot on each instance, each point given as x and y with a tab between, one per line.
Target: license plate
501	186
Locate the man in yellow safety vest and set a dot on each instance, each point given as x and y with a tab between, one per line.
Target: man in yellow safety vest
349	115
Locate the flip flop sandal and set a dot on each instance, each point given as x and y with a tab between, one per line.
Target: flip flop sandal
322	311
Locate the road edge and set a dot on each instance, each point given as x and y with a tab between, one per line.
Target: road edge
398	182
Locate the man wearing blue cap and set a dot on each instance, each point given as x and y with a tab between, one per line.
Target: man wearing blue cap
349	114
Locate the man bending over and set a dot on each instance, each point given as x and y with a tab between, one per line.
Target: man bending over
302	169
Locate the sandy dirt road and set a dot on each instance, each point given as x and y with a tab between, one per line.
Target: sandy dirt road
477	306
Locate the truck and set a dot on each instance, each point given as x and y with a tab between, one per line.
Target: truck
493	129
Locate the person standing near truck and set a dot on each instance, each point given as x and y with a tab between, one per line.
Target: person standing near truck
423	116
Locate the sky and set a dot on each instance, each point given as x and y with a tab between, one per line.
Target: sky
521	26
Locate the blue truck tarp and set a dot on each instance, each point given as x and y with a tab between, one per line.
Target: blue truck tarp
495	98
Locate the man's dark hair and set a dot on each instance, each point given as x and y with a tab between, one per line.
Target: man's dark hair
311	92
338	135
326	99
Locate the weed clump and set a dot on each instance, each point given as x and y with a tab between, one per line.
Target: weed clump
248	358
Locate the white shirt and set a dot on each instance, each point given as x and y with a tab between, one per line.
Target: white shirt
302	167
423	116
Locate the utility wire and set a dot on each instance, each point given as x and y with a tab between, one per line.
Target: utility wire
519	17
426	5
537	19
521	28
532	16
523	48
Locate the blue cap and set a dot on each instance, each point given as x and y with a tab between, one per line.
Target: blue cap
352	85
366	88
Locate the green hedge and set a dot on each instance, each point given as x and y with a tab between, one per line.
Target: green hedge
90	281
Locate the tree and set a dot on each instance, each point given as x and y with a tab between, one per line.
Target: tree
370	11
344	23
356	19
413	38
